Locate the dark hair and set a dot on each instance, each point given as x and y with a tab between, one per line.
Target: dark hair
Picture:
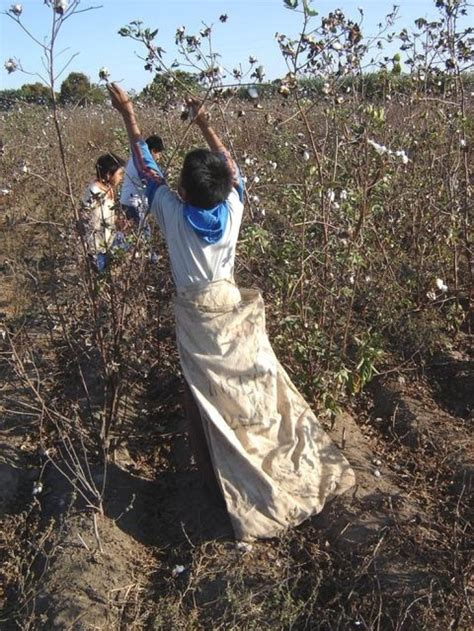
206	178
155	143
107	165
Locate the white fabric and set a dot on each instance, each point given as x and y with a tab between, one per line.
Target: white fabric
275	464
132	185
100	218
192	259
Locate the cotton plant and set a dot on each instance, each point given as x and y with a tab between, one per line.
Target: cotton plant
332	48
383	150
196	69
59	6
60	11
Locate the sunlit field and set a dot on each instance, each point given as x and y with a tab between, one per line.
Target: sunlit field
356	230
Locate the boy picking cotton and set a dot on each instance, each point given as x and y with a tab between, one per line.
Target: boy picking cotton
254	433
132	195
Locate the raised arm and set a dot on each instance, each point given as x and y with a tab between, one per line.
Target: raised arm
144	163
201	119
122	103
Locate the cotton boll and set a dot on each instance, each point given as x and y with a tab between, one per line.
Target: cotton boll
380	149
104	74
10	65
242	546
441	285
253	93
60	6
16	9
402	155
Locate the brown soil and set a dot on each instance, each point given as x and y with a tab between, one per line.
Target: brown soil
371	559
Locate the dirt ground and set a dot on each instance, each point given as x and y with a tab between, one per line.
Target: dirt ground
364	263
393	553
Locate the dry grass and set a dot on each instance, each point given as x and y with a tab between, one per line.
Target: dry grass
346	286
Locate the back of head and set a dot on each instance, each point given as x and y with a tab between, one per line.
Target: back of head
155	143
107	165
205	178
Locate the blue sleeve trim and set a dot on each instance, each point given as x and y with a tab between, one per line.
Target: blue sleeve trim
239	185
147	169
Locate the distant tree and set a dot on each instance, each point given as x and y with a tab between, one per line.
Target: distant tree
8	98
77	89
97	94
35	93
28	93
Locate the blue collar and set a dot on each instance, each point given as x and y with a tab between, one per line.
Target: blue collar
208	224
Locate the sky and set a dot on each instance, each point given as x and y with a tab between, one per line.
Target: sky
249	30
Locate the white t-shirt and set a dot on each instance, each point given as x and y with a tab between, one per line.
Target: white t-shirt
100	218
192	259
132	185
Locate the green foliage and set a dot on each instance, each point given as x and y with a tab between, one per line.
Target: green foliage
8	98
77	89
368	354
36	93
28	93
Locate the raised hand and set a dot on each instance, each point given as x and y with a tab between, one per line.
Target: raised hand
198	112
120	99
